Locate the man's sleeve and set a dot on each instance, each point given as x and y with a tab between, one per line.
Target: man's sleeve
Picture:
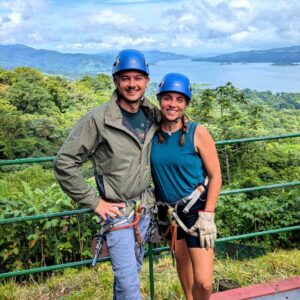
80	144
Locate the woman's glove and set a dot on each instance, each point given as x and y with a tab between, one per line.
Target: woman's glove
206	227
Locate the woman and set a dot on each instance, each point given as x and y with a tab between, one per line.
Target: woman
183	157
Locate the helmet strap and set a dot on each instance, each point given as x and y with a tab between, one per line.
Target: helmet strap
176	120
169	124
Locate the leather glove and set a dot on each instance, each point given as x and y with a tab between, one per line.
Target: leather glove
206	227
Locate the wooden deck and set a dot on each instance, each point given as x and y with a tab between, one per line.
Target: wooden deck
281	289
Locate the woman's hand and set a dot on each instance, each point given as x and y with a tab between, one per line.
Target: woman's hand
206	228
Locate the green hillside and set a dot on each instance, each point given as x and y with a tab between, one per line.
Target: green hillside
288	55
66	64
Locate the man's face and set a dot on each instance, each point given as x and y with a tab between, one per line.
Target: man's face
131	85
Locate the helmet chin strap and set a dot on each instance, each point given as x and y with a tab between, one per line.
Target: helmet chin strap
176	120
171	123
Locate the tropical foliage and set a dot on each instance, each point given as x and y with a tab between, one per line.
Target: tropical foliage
37	113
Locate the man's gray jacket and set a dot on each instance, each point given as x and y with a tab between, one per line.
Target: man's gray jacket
121	162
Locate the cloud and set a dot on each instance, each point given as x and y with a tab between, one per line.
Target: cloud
242	23
240	4
133	1
114	21
183	25
109	43
18	23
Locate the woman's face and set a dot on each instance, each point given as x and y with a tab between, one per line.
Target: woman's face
172	105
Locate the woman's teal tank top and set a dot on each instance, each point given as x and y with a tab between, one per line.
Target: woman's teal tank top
176	170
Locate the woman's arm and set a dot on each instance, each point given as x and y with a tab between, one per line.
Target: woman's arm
206	148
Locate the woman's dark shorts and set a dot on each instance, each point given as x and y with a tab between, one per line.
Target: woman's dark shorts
189	219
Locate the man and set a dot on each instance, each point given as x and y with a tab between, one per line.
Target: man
117	137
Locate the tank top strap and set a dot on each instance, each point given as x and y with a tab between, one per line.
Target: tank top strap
191	131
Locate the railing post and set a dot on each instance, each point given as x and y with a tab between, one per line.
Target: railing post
151	273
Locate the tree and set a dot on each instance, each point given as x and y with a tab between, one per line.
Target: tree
59	90
228	114
30	75
28	97
99	83
6	77
12	128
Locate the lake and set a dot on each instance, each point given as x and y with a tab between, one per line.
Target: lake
255	76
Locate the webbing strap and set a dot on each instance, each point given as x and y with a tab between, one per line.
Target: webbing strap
126	220
182	225
193	197
136	211
190	200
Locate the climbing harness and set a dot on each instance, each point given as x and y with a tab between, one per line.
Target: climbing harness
107	226
173	220
137	216
152	234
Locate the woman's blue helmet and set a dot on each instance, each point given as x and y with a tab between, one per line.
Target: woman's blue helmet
130	59
175	82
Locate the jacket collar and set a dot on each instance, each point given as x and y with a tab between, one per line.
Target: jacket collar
113	114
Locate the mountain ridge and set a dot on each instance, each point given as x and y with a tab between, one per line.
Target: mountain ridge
284	55
68	64
76	65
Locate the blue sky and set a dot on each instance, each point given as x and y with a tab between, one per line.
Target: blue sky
203	27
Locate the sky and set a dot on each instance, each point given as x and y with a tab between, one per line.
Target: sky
195	27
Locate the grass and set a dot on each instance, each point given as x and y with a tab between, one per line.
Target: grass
74	284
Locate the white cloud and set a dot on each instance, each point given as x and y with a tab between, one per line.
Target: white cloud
240	36
129	1
18	22
109	43
185	25
112	19
180	40
240	4
36	37
239	23
124	41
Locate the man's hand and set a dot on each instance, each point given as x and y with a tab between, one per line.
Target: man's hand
107	209
206	227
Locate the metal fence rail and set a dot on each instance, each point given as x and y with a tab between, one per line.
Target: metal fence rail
30	160
148	253
156	250
87	210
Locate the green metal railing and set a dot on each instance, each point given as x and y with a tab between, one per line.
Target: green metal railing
150	251
31	160
87	210
259	138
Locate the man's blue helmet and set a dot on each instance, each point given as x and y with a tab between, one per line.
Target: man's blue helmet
130	59
175	82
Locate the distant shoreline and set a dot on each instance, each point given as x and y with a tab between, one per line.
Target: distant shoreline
285	64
